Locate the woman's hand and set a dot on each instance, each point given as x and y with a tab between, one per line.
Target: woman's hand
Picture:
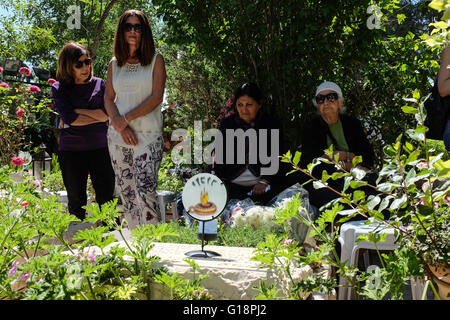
119	123
128	136
259	188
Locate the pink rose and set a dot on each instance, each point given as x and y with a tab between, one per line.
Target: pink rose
229	102
20	112
223	110
422	202
51	81
230	113
25	71
422	165
34	88
1	69
17	161
4	85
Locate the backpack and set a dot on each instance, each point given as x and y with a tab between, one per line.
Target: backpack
437	113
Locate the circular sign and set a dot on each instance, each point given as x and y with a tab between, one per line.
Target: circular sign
204	197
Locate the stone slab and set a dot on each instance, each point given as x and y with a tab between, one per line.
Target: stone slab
232	275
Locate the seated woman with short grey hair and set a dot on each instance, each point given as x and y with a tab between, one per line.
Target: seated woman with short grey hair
344	132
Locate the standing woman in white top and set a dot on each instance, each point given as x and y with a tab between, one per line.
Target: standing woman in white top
134	91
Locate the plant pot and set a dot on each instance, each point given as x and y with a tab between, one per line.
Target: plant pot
443	288
440	272
441	277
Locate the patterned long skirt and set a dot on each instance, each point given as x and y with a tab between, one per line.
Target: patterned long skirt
136	170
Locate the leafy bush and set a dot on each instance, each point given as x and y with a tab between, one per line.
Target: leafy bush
38	263
24	121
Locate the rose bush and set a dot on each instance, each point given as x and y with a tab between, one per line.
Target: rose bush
25	118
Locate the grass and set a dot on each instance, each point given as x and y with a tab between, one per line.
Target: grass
232	237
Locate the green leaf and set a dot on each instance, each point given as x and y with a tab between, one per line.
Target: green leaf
400	18
358	173
425	210
398	203
358	195
356	160
437	5
421	129
297	157
357	184
373	202
325	176
318	184
410	110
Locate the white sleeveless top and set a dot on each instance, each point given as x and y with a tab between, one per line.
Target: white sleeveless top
133	84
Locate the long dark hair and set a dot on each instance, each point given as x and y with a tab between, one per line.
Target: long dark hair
68	56
146	48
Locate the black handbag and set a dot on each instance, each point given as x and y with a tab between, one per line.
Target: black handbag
437	114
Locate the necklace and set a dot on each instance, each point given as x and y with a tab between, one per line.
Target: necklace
132	67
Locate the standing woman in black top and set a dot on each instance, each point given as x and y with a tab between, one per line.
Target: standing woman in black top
83	147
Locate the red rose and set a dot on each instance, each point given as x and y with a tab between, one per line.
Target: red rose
20	112
17	161
34	88
25	71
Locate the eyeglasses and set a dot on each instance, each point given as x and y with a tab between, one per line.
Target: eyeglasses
331	97
79	63
136	27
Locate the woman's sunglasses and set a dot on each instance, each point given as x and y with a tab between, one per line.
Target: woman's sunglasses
331	97
136	27
79	63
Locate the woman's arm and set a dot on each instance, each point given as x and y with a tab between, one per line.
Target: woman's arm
110	104
155	99
84	120
126	132
96	114
444	73
67	112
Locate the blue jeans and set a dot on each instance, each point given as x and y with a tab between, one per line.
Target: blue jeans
447	136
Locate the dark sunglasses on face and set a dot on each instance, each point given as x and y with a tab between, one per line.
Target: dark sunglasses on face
137	27
331	97
79	63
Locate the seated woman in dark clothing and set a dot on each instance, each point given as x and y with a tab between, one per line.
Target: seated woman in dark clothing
249	163
344	132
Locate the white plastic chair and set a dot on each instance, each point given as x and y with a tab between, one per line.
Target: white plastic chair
349	233
165	197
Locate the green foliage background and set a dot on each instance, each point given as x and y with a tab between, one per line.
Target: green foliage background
287	47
